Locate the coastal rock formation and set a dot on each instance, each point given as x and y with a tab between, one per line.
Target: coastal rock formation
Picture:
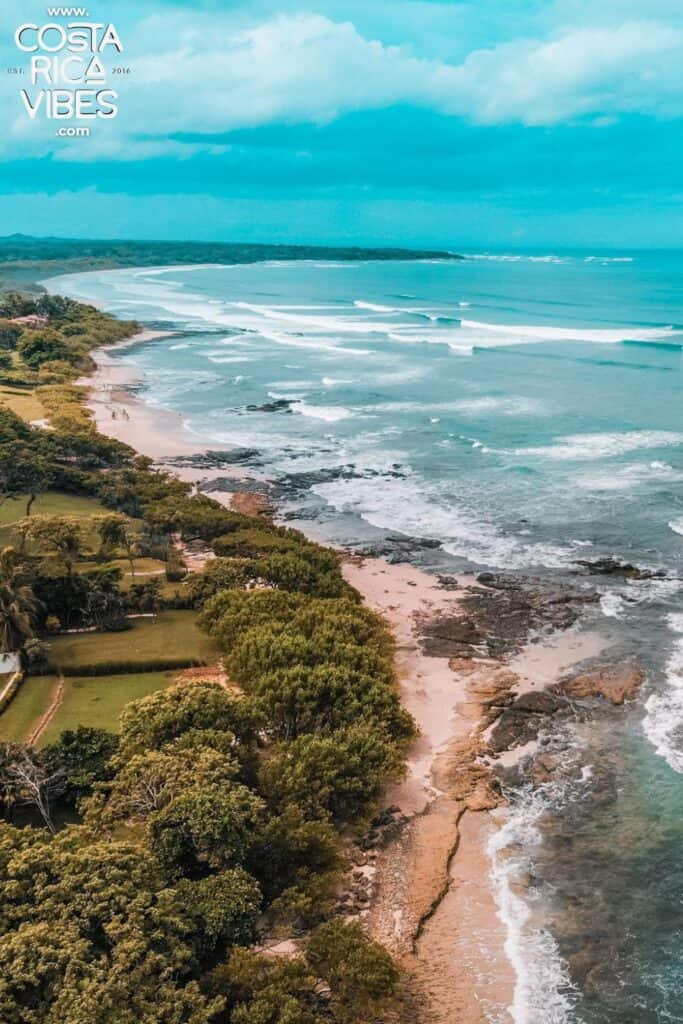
216	460
521	722
616	683
624	570
277	405
498	615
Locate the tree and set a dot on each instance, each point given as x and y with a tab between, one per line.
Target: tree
61	536
325	697
168	715
218	574
90	598
146	597
18	605
84	755
361	974
336	775
91	933
30	780
13	428
206	828
115	530
47	345
13	304
23	471
147	782
221	910
267	990
9	334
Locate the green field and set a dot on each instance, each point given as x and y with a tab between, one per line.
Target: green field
52	503
144	568
31	701
171	635
97	701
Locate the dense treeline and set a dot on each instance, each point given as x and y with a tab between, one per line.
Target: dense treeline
151	860
23	258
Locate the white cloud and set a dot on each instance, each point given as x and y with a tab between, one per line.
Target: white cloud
195	74
635	67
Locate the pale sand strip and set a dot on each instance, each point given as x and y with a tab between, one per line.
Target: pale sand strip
120	414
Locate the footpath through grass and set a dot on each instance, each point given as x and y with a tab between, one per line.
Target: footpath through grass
28	706
98	701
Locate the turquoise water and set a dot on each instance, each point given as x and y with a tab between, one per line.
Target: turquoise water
524	411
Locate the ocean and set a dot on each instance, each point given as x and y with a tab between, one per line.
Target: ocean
510	411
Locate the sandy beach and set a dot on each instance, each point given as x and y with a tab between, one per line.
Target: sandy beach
120	414
433	904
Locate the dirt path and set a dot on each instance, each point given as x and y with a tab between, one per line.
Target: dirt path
45	719
6	688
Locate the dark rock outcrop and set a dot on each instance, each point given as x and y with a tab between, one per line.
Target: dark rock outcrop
623	570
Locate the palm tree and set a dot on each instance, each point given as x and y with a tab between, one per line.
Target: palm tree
18	604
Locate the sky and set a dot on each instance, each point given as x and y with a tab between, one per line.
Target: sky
490	124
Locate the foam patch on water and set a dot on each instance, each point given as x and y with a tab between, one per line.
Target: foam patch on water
601	446
663	722
328	413
625	478
677	526
512	405
612	605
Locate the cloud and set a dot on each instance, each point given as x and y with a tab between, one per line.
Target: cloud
634	68
212	74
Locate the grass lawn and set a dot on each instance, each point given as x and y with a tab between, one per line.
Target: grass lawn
173	634
31	701
144	568
23	402
52	503
97	701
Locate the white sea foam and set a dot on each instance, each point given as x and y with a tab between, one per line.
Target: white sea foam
418	510
228	359
543	991
663	722
542	333
612	605
601	446
511	405
328	413
677	526
427	314
625	478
